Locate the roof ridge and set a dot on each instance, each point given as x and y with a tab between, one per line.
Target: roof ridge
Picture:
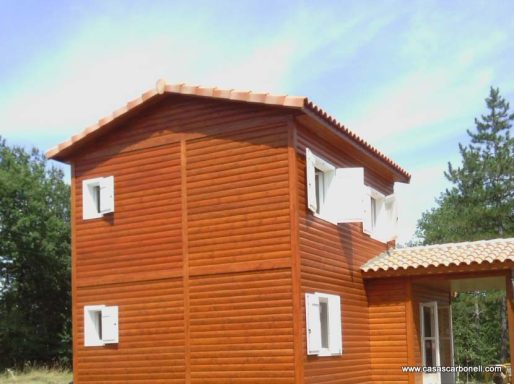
289	101
454	244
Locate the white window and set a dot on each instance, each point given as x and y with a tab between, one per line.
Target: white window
380	216
100	325
97	197
320	177
430	341
334	194
338	195
323	320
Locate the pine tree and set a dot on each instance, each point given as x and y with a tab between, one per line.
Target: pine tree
478	206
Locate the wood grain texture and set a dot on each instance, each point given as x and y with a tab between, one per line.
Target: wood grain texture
143	235
197	255
388	324
238	199
330	257
151	334
241	328
510	312
74	305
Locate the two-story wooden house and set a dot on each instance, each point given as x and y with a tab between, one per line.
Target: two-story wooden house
218	237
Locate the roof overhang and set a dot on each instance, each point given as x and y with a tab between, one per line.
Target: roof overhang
451	258
66	149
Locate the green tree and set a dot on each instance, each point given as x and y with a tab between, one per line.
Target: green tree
34	258
479	205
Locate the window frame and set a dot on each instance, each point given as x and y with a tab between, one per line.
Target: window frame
316	165
315	325
97	320
380	221
94	191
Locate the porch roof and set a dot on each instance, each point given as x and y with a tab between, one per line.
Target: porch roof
485	252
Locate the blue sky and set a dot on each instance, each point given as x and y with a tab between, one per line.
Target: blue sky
407	76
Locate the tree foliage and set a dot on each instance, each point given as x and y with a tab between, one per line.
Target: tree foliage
479	205
34	258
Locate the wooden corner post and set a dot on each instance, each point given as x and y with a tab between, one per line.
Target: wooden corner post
510	312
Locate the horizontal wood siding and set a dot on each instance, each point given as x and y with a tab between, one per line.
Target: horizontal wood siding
151	333
388	330
143	235
331	257
242	328
238	220
238	200
197	254
174	118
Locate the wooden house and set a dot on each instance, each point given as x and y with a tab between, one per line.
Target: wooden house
224	236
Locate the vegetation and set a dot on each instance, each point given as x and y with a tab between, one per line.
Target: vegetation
36	376
479	205
34	260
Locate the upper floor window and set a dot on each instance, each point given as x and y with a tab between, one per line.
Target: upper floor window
339	195
380	215
97	197
319	180
320	177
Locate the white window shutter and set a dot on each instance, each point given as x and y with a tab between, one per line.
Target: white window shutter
334	329
92	325
107	194
313	326
110	325
310	161
350	182
391	209
366	212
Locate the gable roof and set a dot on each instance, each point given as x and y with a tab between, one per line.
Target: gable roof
443	255
301	103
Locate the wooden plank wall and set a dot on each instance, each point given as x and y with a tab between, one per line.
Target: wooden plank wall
238	222
330	258
388	334
197	254
151	347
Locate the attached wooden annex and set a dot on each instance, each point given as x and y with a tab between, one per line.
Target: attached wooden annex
218	237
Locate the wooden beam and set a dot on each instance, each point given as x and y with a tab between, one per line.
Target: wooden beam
510	314
410	329
73	219
185	260
295	254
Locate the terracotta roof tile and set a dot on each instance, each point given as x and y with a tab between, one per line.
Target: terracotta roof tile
298	102
466	253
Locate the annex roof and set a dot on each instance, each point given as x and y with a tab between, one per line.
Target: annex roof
451	254
295	102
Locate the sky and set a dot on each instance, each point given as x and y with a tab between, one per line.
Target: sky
407	76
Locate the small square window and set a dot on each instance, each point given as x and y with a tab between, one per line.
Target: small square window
97	197
100	325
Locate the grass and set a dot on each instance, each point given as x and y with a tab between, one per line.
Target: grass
36	376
